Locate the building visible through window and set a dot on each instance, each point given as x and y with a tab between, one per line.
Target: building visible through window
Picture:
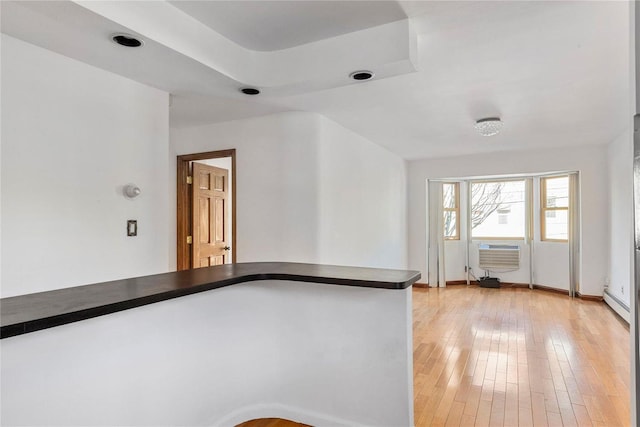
503	215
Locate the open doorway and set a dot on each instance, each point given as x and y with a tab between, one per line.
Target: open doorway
206	214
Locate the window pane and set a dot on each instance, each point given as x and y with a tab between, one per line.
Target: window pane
498	209
449	196
557	192
556	225
450	226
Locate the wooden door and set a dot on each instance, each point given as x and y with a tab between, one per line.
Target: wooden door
210	244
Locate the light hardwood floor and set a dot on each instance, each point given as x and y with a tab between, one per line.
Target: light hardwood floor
515	357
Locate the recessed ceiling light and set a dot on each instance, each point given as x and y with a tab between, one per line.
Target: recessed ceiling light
361	75
250	91
489	126
127	40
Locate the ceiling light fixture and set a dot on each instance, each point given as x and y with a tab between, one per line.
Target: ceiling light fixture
489	126
361	75
250	91
126	40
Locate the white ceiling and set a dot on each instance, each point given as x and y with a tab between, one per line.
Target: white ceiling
275	25
556	72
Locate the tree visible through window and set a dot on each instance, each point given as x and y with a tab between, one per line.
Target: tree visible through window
451	210
498	210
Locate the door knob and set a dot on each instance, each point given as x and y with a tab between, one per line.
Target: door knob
226	248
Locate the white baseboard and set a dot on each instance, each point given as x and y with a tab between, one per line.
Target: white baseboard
617	306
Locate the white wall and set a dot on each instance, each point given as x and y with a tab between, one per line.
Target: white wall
620	167
72	137
309	190
590	161
362	201
320	354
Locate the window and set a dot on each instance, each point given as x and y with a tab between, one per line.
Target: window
451	210
498	210
554	208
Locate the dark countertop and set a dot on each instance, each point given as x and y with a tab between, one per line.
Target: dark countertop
32	312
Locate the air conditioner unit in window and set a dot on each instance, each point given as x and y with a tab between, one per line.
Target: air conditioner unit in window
499	257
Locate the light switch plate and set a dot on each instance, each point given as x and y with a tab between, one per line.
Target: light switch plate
132	227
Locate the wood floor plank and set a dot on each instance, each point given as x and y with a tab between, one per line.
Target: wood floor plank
582	415
538	409
484	413
497	409
511	405
554	420
525	417
473	401
455	414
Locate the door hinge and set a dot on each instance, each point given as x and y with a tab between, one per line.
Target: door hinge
189	240
189	180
